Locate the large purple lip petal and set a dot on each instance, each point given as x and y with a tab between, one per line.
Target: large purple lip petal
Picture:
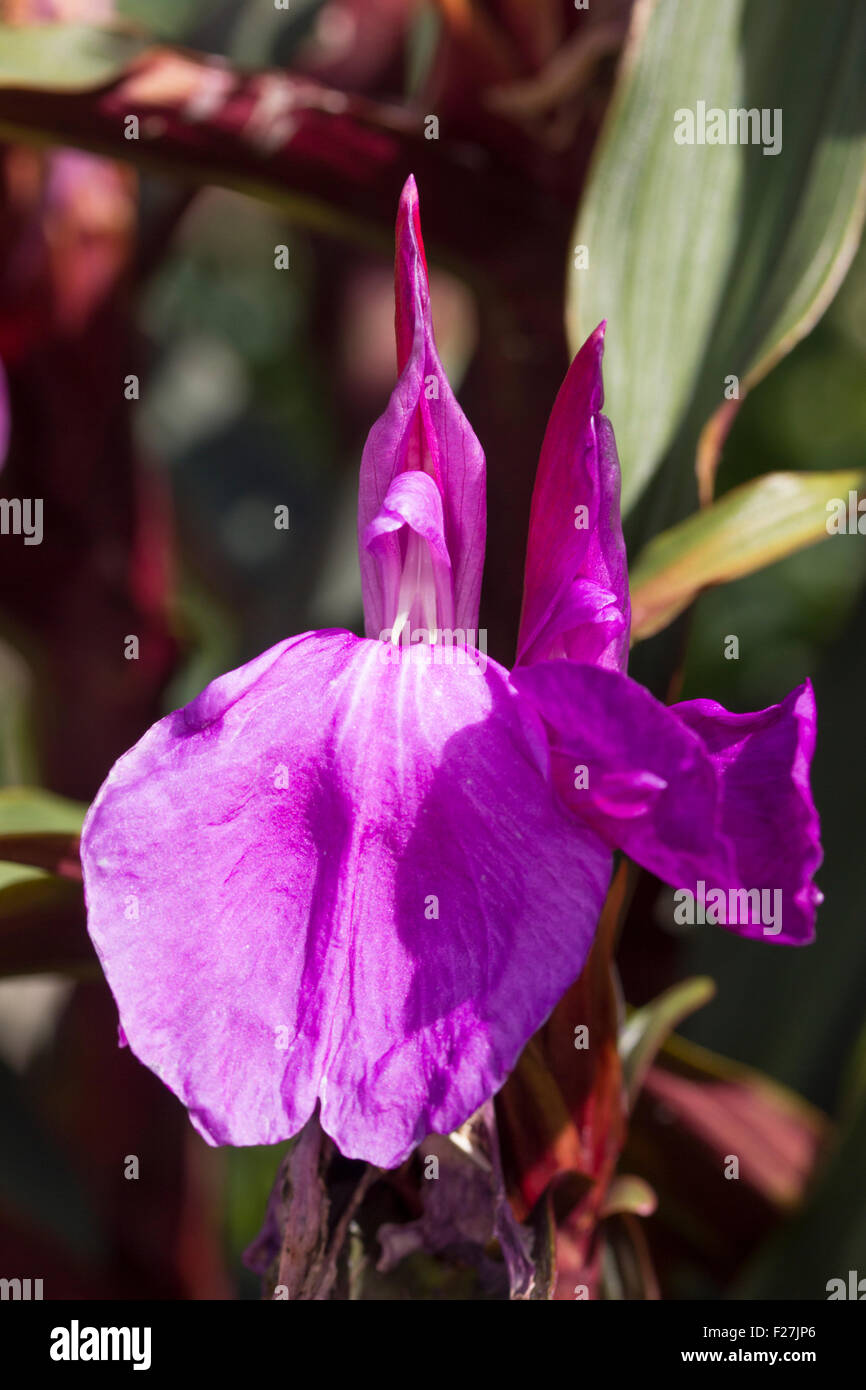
341	878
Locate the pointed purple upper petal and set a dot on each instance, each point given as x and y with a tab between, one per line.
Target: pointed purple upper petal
341	875
422	428
575	601
762	761
691	792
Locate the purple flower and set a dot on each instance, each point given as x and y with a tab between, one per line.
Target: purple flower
361	872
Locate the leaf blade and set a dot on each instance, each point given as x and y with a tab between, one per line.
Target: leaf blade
750	527
64	57
712	261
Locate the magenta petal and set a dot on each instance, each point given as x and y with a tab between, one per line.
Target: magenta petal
695	794
423	427
762	761
412	513
339	875
413	500
576	601
651	786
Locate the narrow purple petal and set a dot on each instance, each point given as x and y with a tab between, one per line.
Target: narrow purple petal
423	428
575	601
762	761
339	875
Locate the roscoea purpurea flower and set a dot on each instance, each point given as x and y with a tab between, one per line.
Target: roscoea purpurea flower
360	872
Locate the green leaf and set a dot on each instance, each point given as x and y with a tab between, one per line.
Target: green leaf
40	829
647	1029
629	1193
42	925
711	261
42	919
64	57
32	811
749	528
166	19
